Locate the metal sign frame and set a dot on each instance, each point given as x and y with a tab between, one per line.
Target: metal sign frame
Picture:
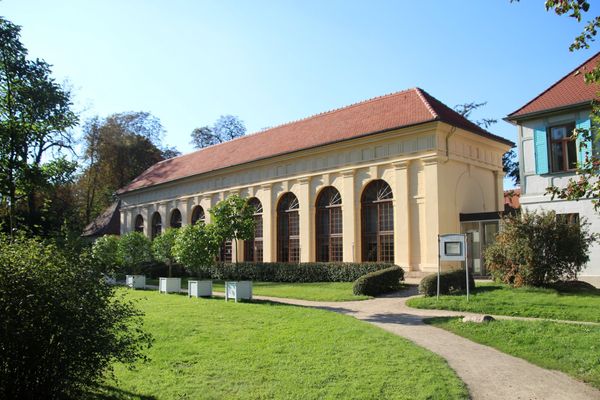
453	239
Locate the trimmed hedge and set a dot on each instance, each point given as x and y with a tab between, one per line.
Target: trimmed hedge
450	282
303	272
379	282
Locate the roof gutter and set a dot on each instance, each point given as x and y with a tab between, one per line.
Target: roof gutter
535	114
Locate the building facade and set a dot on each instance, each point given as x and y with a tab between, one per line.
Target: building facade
547	156
374	181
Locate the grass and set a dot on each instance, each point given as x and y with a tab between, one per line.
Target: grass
315	291
210	349
493	298
571	348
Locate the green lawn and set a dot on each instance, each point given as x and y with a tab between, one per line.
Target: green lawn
316	291
210	349
571	348
493	298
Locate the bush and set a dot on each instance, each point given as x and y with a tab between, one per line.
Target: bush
62	326
196	247
134	249
156	269
454	281
286	272
375	283
104	253
538	249
162	249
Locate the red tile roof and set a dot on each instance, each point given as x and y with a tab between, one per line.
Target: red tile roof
570	90
380	114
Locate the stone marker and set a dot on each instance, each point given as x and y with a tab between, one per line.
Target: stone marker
479	319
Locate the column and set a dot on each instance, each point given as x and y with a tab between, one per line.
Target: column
351	228
402	226
269	221
306	221
429	249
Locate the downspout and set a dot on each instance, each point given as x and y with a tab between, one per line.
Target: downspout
452	131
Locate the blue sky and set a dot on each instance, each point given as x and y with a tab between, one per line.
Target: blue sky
269	62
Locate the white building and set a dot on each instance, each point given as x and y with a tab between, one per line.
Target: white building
548	157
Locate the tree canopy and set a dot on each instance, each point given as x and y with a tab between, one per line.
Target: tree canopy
117	149
226	128
35	120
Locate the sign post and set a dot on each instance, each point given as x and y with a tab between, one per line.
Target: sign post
452	247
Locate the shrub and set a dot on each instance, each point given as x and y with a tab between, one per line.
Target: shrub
302	272
379	282
162	249
196	247
62	326
454	281
104	253
156	269
538	249
133	250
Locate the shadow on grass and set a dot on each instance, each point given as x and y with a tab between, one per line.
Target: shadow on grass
106	392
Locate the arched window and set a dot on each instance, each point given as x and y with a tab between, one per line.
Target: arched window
156	225
328	221
176	219
288	229
377	211
198	214
253	249
139	224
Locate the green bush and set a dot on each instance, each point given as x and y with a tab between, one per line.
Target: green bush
286	272
383	281
134	249
162	249
62	327
104	253
156	269
454	281
538	249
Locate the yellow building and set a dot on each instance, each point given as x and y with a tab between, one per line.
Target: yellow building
374	181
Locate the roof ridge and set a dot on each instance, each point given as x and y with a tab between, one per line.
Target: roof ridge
567	75
426	102
332	111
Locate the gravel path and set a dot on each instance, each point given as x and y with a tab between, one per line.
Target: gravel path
488	373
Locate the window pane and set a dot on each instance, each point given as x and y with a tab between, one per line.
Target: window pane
572	154
557	156
386	217
387	248
558	133
336	220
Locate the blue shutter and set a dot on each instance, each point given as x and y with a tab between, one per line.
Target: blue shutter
583	147
540	144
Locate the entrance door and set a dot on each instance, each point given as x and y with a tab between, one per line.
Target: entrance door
480	234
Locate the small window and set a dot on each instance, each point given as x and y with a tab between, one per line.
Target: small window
570	218
563	150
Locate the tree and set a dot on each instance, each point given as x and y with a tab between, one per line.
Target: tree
226	128
510	163
62	328
196	247
233	219
587	183
105	253
116	150
162	247
537	249
133	250
35	118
